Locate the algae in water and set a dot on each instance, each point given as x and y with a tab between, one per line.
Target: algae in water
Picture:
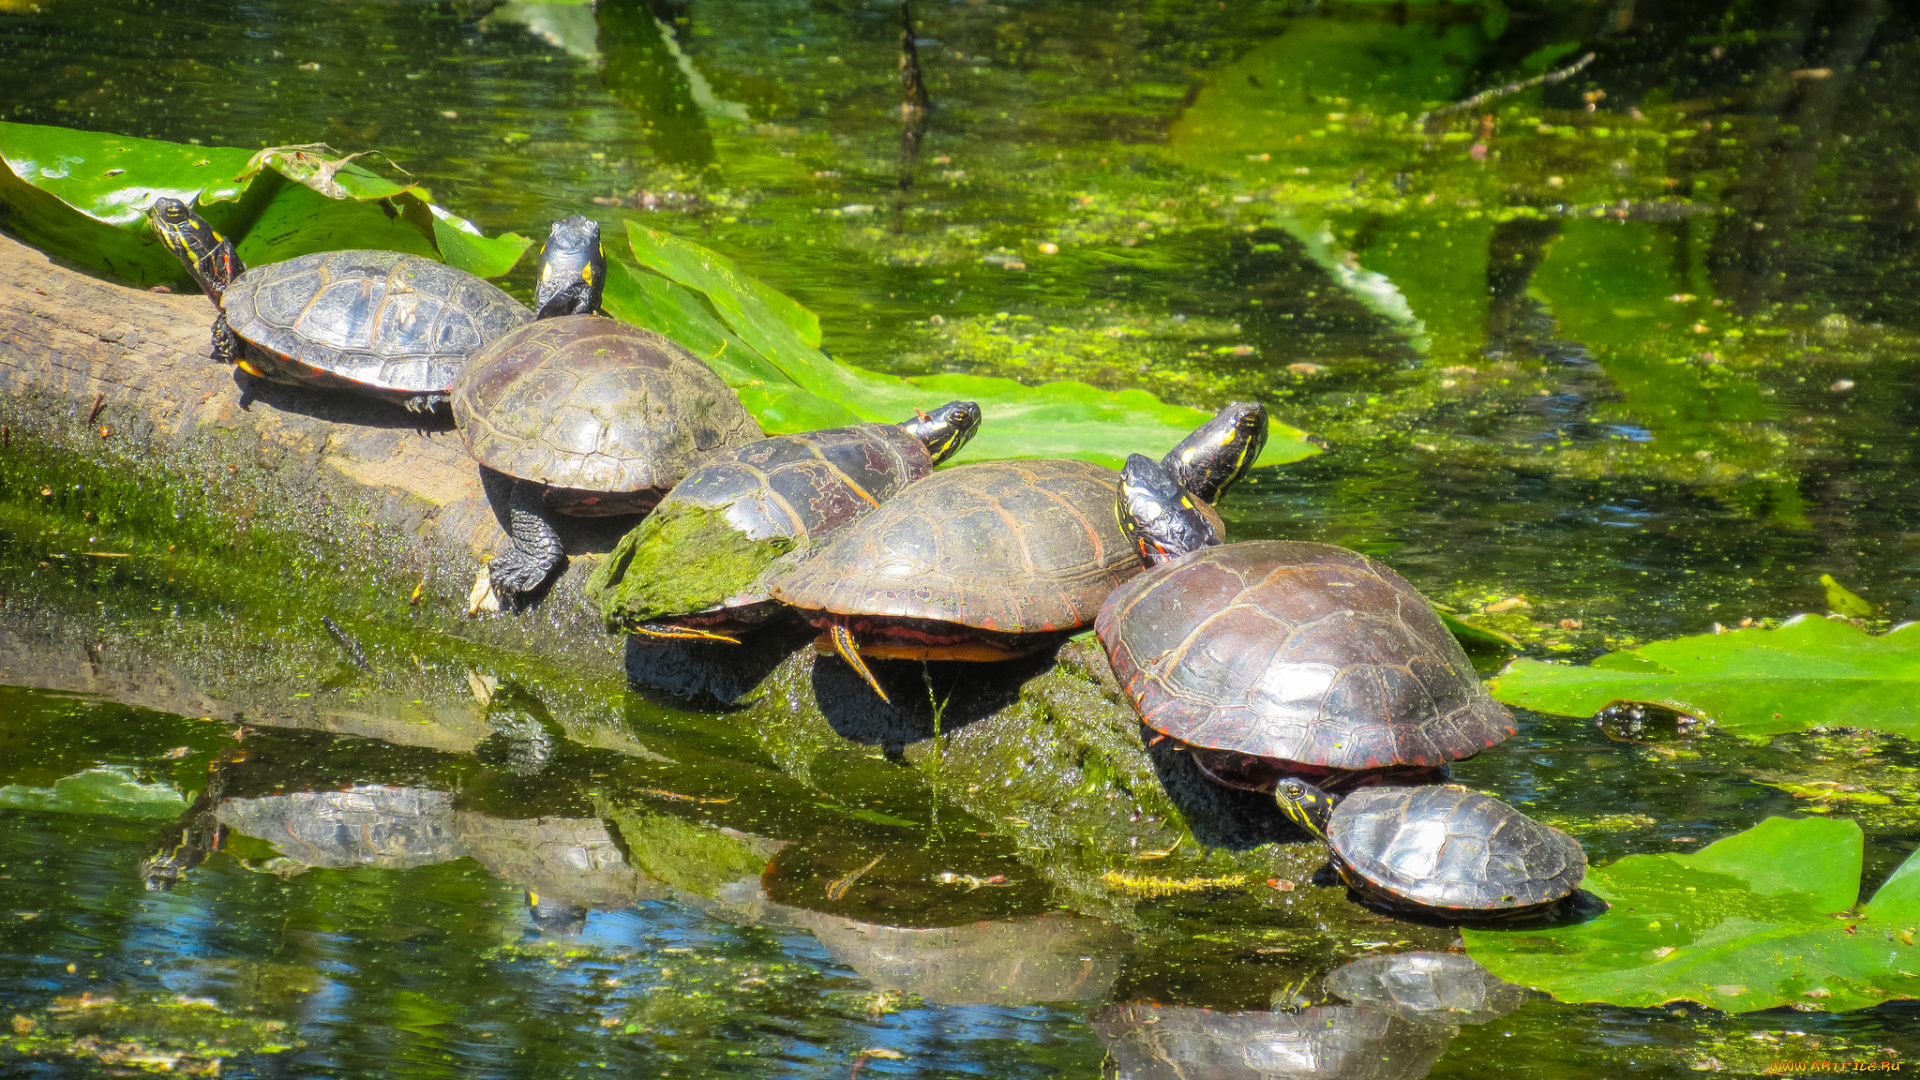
682	559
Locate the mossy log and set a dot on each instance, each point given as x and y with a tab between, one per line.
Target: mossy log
1044	754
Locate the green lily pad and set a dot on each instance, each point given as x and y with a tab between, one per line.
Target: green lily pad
1810	672
781	342
82	195
1477	639
111	790
1755	921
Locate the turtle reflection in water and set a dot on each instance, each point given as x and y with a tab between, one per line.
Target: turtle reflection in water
1271	658
380	323
994	560
1448	989
1148	1042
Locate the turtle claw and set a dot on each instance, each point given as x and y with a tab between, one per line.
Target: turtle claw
425	404
849	651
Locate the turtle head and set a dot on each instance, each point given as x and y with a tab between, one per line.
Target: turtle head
1305	805
555	916
1220	451
572	270
946	429
208	255
1158	515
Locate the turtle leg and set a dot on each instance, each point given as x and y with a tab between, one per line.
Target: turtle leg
426	403
227	346
849	651
536	546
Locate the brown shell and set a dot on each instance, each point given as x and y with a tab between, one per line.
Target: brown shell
377	319
593	404
1011	546
1304	652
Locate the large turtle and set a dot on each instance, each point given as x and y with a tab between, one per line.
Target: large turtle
1273	657
1438	849
588	416
699	565
394	326
993	560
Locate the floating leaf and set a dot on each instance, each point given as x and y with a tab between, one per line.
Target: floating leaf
1747	923
111	790
1842	601
1057	419
83	195
1808	673
1477	639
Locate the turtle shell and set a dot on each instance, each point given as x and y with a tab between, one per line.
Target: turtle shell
806	485
590	404
1443	846
1302	652
376	319
1018	547
1323	1042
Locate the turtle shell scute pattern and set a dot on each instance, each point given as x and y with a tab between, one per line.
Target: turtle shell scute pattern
1028	546
1303	652
586	403
1443	846
809	485
378	318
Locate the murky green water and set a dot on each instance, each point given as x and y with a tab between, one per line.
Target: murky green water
1639	349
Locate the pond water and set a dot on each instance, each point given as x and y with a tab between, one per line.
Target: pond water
1615	358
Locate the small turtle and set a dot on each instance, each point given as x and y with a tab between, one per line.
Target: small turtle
394	326
1438	849
698	566
583	415
1273	657
993	560
1325	1042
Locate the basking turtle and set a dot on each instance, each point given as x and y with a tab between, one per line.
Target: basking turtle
993	560
397	327
698	566
586	416
1273	657
1438	849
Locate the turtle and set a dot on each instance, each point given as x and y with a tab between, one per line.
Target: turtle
993	560
698	566
587	416
1276	657
382	323
1438	849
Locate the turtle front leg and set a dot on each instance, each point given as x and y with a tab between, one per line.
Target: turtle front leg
227	346
426	403
536	546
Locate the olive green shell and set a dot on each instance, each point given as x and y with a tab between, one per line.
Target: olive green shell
379	319
1009	546
588	403
1301	652
1443	846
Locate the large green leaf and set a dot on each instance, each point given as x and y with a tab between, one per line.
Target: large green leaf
1755	921
1809	672
1057	419
82	195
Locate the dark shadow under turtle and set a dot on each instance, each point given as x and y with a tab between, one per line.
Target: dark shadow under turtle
1219	816
965	692
337	408
688	673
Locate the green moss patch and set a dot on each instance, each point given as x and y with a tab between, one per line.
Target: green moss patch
680	560
696	858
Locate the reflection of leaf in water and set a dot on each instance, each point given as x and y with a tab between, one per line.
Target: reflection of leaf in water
1807	673
1746	923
